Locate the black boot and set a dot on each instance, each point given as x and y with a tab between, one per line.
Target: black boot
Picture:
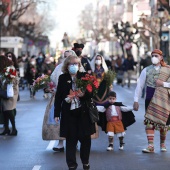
86	166
6	123
14	132
5	132
12	119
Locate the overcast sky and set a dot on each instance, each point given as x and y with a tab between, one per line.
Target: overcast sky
66	14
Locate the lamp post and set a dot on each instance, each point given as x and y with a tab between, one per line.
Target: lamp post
160	15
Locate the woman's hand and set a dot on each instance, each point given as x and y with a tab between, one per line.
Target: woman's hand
48	90
80	93
136	106
57	119
159	83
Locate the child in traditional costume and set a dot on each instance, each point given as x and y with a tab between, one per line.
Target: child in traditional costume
118	118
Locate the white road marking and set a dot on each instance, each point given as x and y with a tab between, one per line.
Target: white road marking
36	167
51	145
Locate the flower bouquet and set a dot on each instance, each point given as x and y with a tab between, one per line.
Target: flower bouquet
88	83
9	73
43	82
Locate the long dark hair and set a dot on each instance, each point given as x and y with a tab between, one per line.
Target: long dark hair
4	62
14	59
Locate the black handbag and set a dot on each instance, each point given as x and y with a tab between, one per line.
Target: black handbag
3	94
93	112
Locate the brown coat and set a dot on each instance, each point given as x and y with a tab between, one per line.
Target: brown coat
10	103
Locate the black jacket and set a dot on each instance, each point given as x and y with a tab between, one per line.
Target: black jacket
62	108
128	118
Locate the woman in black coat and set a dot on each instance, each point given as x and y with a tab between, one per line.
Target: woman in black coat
75	124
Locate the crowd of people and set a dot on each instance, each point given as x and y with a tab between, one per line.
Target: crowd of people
71	104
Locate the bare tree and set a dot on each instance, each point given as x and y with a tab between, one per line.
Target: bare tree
18	8
95	22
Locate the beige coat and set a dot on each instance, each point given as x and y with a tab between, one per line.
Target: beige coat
10	103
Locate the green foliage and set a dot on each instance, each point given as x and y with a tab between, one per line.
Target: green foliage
109	77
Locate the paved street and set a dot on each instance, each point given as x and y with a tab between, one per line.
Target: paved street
28	151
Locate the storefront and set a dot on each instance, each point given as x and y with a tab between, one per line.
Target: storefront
14	43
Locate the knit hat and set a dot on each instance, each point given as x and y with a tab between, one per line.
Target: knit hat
157	51
112	94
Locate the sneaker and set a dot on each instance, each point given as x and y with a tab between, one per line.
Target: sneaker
121	147
163	147
45	96
110	147
149	149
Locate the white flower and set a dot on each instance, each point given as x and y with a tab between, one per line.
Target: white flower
12	76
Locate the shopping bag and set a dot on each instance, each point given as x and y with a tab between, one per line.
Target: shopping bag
50	129
10	90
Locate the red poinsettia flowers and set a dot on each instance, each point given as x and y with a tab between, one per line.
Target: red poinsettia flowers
88	83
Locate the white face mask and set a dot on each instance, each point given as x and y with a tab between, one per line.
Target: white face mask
155	60
33	62
98	62
115	58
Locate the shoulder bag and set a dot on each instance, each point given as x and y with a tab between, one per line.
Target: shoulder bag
93	112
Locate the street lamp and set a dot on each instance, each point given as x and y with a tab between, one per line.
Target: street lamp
160	15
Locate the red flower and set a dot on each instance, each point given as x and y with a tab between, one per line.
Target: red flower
96	83
84	78
14	73
89	88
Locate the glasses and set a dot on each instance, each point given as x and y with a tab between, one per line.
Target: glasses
74	64
155	56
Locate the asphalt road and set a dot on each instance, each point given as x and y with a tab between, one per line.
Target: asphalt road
28	151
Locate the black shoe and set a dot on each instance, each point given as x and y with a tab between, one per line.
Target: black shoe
73	168
14	133
58	149
86	167
5	132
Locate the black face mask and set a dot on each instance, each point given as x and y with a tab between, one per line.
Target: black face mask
78	53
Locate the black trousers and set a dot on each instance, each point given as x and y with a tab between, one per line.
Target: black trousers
9	115
75	135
